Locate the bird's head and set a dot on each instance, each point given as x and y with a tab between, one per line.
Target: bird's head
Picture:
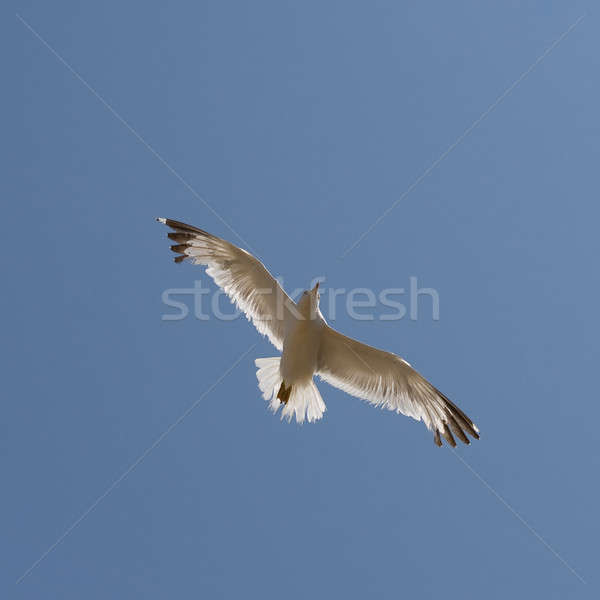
308	303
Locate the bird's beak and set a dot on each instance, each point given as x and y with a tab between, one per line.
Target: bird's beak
316	288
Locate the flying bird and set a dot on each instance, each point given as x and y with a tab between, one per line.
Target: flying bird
310	347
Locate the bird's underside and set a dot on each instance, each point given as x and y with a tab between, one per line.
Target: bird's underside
310	347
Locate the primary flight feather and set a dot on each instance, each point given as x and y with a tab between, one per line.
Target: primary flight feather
310	347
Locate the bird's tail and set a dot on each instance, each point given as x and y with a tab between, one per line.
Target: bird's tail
303	399
269	379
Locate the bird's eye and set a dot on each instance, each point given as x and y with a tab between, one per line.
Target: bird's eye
304	293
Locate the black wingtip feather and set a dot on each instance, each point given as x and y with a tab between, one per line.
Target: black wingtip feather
461	419
185	228
449	437
457	430
180	237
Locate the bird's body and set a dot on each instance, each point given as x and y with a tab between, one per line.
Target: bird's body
310	347
301	343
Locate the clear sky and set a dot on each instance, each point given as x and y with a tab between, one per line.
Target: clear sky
299	123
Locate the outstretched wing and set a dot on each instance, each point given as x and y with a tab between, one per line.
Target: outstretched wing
241	276
386	380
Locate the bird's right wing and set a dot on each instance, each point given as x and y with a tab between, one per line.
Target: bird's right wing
386	380
241	276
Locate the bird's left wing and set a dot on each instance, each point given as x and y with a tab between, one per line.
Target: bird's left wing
386	380
241	276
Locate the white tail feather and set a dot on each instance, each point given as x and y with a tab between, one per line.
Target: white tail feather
269	380
305	402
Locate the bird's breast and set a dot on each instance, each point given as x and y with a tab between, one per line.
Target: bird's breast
300	351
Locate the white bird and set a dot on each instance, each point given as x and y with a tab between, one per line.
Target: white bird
310	347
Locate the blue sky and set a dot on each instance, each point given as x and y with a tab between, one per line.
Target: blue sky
299	123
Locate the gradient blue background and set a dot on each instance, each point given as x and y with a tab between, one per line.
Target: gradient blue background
300	123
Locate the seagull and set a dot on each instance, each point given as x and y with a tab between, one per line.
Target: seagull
310	347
